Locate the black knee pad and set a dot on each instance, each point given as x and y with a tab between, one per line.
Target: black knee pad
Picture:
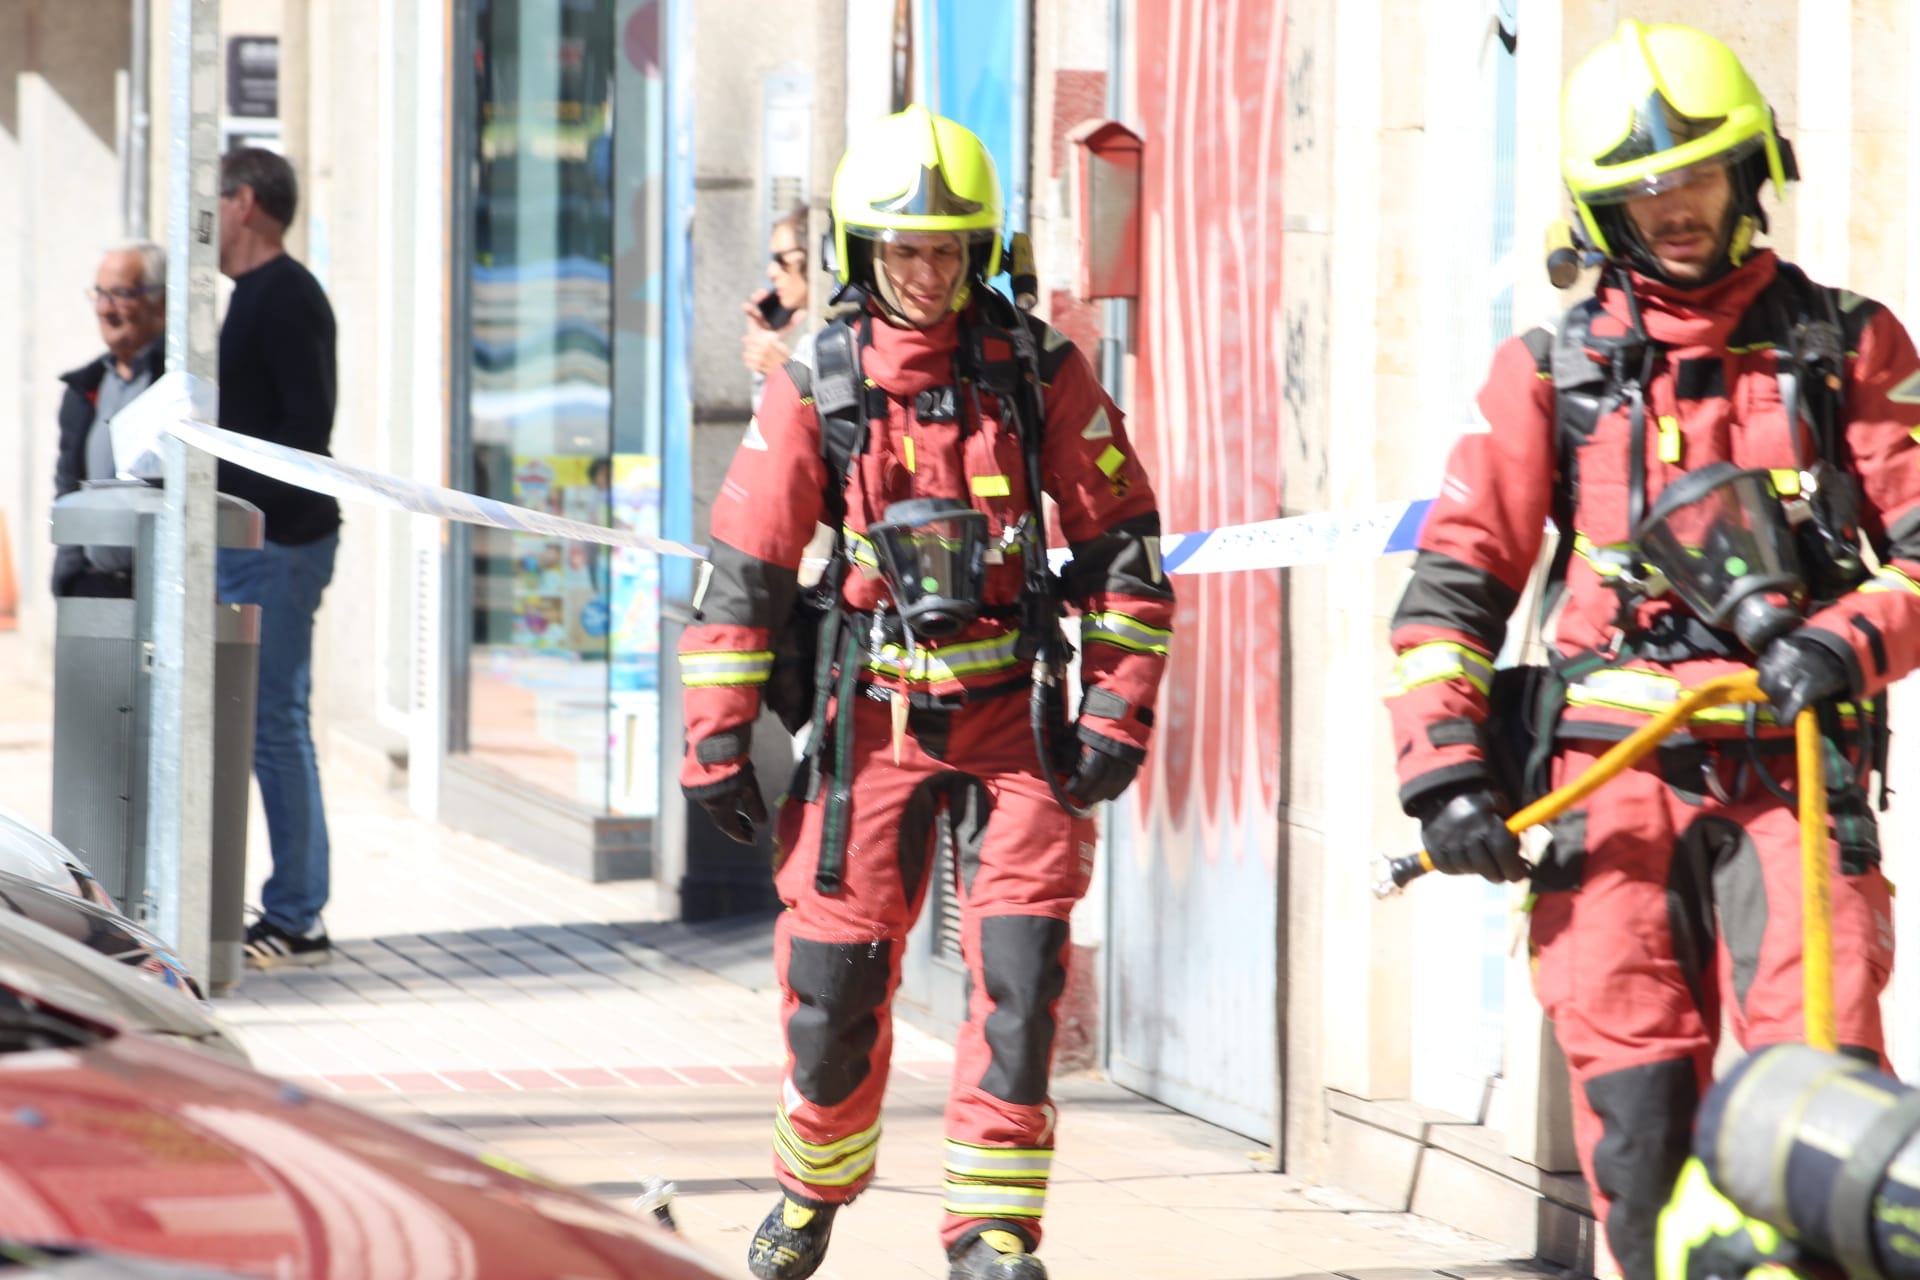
842	987
1646	1123
1021	966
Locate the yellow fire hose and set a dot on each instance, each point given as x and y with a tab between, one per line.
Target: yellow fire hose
1816	902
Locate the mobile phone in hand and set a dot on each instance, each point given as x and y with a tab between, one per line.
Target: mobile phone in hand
776	316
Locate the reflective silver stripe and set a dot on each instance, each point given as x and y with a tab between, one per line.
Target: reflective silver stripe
1439	660
949	662
1127	633
972	1200
1004	1164
834	1164
711	667
1625	689
1647	693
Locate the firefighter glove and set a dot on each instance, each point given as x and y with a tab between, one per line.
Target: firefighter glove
734	803
1797	671
1464	834
1104	770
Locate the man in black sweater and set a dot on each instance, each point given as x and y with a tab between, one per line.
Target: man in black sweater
277	383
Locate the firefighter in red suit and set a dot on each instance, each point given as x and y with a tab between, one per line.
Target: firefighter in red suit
925	738
1672	895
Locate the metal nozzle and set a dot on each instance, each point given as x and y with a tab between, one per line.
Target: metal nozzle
656	1199
1383	885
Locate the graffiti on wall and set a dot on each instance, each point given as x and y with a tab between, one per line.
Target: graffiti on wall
1209	406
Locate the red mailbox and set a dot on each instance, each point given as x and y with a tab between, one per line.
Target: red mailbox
1106	209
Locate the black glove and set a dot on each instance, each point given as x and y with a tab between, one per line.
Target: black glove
733	803
1464	834
1104	770
1797	671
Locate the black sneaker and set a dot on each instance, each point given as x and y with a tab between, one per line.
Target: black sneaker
792	1243
995	1255
268	946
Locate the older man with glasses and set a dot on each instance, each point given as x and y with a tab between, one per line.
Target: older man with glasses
129	296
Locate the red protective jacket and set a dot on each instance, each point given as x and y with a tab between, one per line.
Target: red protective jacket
774	495
1714	397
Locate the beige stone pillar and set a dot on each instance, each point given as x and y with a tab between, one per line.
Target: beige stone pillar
68	149
1306	283
1375	133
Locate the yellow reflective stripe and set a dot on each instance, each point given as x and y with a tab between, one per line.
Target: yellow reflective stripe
1613	559
971	1200
1110	461
710	667
907	443
1889	578
1669	439
1439	660
1607	561
835	1164
997	1164
1647	693
950	662
1127	633
860	548
990	486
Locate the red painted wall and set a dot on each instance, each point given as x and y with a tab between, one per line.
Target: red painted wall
1208	407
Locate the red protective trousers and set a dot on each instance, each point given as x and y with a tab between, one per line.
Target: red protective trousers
1021	864
1659	907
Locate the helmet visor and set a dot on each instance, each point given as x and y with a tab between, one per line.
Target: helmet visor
1652	184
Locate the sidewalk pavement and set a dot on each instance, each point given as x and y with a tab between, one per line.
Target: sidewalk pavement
566	1026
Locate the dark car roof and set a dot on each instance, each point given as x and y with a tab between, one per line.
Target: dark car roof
40	956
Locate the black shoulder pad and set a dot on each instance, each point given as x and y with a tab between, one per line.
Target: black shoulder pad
1856	312
1539	343
1571	365
802	378
836	370
1052	345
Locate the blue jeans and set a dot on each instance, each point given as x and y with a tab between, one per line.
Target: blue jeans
286	582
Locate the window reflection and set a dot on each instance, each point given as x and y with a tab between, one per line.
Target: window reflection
541	379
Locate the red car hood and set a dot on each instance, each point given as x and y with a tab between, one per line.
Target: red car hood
134	1145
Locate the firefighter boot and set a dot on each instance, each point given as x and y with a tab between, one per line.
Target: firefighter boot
792	1242
995	1255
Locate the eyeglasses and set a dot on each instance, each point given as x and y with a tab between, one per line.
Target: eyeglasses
779	259
96	294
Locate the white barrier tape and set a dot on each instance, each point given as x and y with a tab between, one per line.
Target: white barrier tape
181	406
1290	542
170	406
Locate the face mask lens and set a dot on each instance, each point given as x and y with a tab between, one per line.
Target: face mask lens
933	552
1721	539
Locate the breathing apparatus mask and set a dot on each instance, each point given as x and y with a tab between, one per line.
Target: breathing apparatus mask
1723	540
933	552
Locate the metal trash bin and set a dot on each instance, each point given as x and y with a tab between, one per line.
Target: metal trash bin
102	699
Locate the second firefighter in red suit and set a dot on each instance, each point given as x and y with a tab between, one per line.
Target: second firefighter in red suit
1673	896
935	736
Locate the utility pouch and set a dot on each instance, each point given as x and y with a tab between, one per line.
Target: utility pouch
1522	710
1856	828
789	692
